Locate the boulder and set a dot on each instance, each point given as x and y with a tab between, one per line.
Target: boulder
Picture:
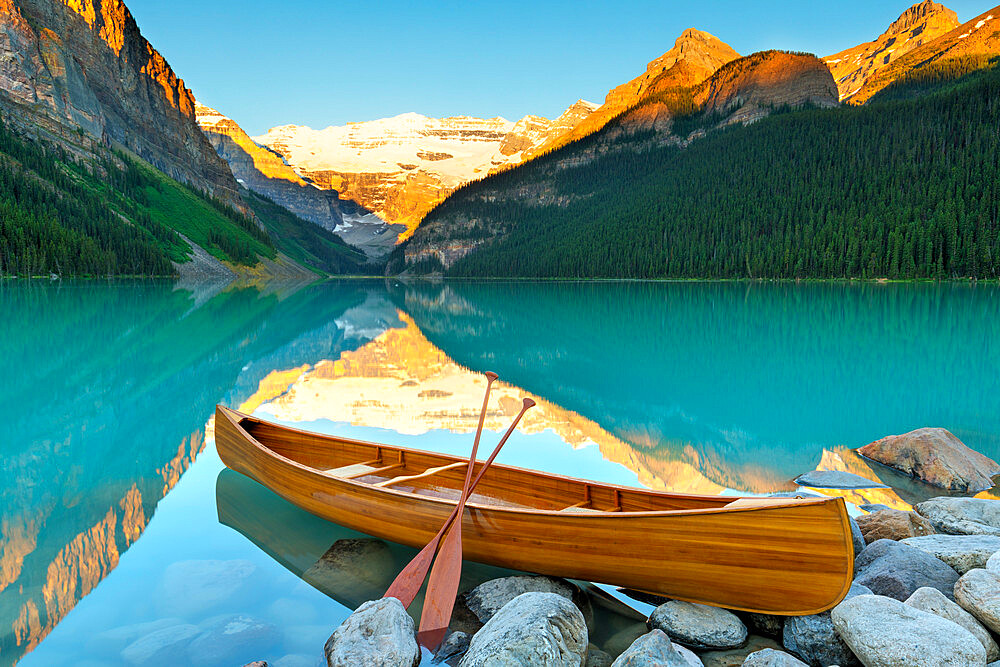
454	646
653	649
734	657
890	524
978	592
621	640
934	602
379	633
698	626
232	639
814	639
772	658
543	629
937	457
884	632
837	479
160	647
993	565
764	624
598	658
962	516
488	598
356	569
897	570
962	552
857	538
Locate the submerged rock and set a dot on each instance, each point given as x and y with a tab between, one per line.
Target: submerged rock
163	646
962	552
934	602
357	569
653	649
837	479
543	629
814	639
897	570
231	639
962	516
379	633
698	625
978	592
890	524
937	457
454	645
769	657
884	632
192	587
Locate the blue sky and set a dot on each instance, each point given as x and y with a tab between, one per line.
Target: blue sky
321	63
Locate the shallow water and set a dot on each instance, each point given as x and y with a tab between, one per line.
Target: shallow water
122	532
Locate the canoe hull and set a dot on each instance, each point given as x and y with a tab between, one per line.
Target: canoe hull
788	560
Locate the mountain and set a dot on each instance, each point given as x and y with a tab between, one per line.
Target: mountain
266	173
695	56
84	64
918	25
902	187
969	47
400	167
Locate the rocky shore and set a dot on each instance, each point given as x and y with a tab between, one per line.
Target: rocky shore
926	592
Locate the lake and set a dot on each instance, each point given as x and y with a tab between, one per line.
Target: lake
125	541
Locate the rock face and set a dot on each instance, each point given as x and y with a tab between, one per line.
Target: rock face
651	650
400	167
962	552
896	570
699	626
814	639
934	602
937	457
884	632
744	89
962	516
978	592
918	25
892	524
261	170
84	64
379	633
542	629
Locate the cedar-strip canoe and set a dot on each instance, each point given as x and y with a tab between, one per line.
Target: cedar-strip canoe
785	556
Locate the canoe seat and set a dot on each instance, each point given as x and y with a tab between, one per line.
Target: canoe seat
584	510
350	471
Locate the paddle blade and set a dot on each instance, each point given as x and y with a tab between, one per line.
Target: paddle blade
407	583
442	587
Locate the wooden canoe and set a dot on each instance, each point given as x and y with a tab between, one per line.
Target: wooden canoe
785	556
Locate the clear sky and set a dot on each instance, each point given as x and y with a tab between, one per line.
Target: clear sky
321	63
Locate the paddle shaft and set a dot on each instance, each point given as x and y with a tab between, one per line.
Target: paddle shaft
407	583
447	571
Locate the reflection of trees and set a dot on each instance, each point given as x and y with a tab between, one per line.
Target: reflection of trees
755	378
105	393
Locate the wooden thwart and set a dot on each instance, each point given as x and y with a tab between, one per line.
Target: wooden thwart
426	473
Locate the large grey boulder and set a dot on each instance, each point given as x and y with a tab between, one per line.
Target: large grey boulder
772	658
814	639
543	629
379	633
978	592
962	552
698	626
890	524
934	602
962	516
884	632
163	646
937	457
896	570
489	597
837	479
653	649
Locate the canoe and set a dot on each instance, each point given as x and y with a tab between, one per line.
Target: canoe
785	556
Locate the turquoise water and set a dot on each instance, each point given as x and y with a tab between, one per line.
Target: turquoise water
119	521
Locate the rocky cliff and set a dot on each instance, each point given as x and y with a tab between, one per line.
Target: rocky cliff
401	167
263	171
967	47
82	65
918	25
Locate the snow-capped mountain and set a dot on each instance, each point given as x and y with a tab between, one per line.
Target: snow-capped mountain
400	167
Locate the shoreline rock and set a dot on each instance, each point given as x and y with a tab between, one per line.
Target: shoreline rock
937	457
698	626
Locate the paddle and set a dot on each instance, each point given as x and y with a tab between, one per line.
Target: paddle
442	587
407	583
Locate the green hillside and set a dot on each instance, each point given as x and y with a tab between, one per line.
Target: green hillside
905	187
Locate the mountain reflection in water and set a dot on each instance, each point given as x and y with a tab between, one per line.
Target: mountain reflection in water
690	387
